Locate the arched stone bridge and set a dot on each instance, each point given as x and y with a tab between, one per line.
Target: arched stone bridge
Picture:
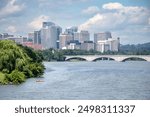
119	58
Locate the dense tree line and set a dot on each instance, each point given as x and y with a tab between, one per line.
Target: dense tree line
59	55
139	49
52	55
17	63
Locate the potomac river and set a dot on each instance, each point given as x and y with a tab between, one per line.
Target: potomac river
85	80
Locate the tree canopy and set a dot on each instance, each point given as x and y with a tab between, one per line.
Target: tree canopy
17	63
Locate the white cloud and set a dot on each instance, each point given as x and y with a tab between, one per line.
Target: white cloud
131	23
11	29
37	22
122	17
11	8
92	21
72	1
112	6
104	21
91	10
51	3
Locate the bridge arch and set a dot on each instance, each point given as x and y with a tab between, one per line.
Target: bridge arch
119	58
134	59
76	58
104	58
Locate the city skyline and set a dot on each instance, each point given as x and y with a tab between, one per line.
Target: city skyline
130	20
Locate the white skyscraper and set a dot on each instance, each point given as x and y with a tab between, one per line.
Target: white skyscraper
50	35
108	45
37	37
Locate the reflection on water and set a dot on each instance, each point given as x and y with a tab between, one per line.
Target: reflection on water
85	80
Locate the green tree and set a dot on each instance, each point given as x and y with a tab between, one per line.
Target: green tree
16	62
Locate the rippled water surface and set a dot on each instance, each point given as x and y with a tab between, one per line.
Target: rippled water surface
85	80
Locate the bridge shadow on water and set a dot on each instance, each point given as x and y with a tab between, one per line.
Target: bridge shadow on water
104	59
76	59
134	59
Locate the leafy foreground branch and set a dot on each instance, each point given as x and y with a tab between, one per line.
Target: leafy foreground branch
17	63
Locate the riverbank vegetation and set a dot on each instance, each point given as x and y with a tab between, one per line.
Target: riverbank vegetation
17	63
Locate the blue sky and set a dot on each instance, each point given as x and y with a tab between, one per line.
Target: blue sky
127	19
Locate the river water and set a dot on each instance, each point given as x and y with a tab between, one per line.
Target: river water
85	80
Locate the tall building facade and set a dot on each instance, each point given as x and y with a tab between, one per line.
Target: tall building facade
59	31
31	36
64	39
47	24
102	36
37	37
108	45
82	36
104	42
87	45
71	30
114	44
50	35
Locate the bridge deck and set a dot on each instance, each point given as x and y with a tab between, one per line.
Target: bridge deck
114	57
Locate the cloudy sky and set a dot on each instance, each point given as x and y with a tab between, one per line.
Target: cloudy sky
127	19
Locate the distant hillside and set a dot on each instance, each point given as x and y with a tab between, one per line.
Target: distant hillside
136	49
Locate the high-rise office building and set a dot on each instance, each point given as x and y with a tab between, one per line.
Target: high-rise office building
51	24
64	39
47	24
59	31
71	30
50	35
114	44
102	36
37	37
34	40
31	36
82	36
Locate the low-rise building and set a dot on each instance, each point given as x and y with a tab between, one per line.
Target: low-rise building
5	36
74	44
108	45
18	40
87	45
32	45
